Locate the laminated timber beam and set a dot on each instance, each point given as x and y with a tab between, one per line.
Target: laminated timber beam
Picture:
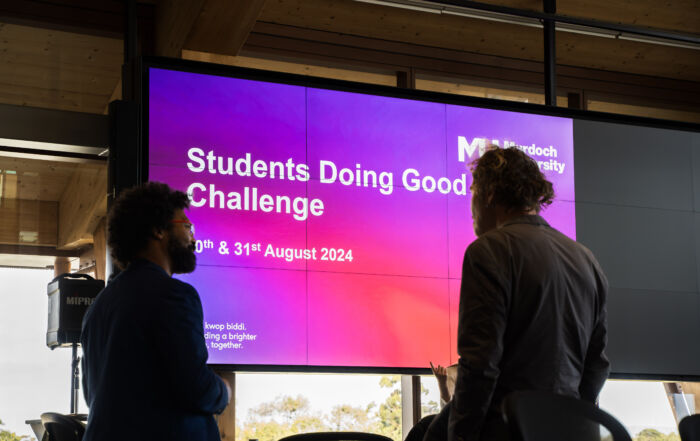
61	130
217	26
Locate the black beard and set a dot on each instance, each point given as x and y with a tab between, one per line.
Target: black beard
182	258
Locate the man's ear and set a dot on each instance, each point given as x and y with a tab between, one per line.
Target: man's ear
158	234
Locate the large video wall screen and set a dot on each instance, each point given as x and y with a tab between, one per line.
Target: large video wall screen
331	225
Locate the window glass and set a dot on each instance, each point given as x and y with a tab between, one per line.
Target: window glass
650	409
52	211
33	378
271	406
430	397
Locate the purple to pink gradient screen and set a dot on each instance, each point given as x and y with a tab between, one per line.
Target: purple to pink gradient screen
395	303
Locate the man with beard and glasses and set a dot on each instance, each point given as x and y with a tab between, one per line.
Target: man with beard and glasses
144	354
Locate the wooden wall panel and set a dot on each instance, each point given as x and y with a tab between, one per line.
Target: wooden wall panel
474	88
691	392
227	420
100	249
82	205
23	220
36	179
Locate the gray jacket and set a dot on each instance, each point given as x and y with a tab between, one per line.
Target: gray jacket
532	316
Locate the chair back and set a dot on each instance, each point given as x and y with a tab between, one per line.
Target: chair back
689	428
336	436
543	416
61	427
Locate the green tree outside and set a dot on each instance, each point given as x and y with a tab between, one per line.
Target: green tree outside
286	415
344	417
389	413
279	418
6	435
655	435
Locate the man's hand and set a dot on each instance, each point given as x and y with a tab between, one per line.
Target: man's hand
441	376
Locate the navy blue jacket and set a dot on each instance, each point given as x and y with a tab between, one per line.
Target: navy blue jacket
144	361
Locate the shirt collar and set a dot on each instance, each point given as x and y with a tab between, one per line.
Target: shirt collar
532	219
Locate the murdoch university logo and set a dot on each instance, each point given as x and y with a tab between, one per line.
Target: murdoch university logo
466	148
544	156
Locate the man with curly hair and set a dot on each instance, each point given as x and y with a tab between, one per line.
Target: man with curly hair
144	354
532	309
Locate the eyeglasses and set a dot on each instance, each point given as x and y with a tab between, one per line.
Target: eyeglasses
187	224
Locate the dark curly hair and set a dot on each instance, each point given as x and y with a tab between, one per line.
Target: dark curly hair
136	214
513	178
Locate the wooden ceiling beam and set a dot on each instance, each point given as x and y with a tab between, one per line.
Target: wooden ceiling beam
270	39
31	250
82	206
472	35
408	26
674	15
216	26
223	26
347	46
576	78
173	24
359	47
60	100
58	128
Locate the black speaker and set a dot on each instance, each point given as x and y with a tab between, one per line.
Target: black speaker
70	295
